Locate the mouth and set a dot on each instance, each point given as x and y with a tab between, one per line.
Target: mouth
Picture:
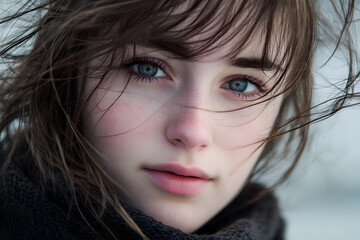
176	179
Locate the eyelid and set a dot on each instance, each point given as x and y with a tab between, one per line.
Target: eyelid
258	83
261	88
160	63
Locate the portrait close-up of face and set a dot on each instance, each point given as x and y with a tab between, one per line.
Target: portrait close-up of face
180	136
181	120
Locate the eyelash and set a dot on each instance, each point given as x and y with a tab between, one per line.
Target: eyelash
138	77
162	65
244	95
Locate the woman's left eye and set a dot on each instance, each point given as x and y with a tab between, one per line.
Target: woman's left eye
148	70
240	85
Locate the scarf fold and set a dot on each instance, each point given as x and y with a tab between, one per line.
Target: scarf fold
27	211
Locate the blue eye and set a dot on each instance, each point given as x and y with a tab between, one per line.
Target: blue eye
148	70
240	85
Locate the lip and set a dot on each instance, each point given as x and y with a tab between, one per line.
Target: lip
177	179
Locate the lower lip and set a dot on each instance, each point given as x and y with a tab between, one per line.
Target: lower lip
177	184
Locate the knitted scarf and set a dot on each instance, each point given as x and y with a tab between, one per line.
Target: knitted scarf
29	211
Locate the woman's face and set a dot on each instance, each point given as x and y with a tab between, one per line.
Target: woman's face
170	141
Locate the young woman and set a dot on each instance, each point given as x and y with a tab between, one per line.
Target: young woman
151	119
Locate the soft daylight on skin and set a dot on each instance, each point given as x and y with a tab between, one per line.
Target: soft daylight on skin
138	119
164	130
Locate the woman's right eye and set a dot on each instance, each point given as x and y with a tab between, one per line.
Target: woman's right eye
148	70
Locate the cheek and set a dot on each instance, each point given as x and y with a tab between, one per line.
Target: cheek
108	116
119	127
243	144
247	133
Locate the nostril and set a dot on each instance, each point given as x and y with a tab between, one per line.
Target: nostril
177	140
202	146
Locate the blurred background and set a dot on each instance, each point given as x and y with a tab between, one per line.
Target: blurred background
322	198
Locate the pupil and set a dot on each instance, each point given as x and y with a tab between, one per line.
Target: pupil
238	85
147	69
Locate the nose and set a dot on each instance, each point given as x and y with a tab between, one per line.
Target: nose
189	129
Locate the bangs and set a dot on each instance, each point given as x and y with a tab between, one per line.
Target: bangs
282	29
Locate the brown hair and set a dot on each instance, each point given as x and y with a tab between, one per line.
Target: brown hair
40	90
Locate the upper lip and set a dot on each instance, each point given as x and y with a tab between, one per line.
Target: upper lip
180	170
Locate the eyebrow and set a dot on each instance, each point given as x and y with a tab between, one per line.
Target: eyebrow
256	63
242	62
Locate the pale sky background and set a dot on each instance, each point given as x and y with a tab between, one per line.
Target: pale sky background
322	199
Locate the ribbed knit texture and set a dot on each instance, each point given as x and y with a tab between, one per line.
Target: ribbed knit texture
27	211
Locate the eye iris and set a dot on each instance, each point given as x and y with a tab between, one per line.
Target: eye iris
147	69
238	85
